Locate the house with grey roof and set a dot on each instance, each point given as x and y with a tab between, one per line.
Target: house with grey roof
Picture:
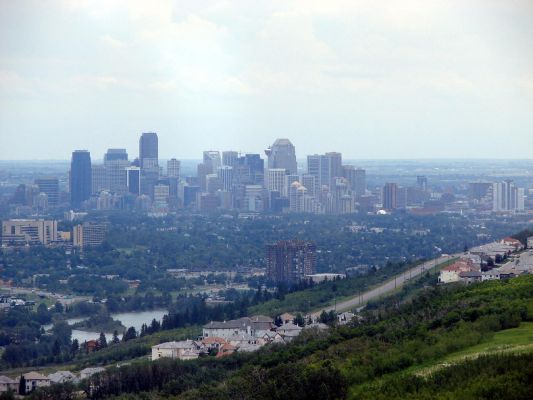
63	377
255	326
7	384
34	380
88	372
182	350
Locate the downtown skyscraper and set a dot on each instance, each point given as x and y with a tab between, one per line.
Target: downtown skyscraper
80	177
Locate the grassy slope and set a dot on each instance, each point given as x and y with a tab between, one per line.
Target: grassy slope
515	340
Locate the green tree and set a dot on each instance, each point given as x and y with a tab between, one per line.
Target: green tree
102	341
22	385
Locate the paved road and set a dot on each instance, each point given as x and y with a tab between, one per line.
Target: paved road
65	299
398	281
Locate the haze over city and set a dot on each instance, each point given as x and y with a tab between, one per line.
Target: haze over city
405	79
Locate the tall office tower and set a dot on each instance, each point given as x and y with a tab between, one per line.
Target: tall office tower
80	177
173	168
88	234
133	180
212	183
225	175
290	261
506	196
338	190
230	158
310	183
422	182
478	190
325	167
161	196
116	162
27	231
50	186
25	194
256	166
202	171
148	150
348	172
276	180
390	196
212	161
289	180
297	194
282	155
114	155
360	182
335	165
98	178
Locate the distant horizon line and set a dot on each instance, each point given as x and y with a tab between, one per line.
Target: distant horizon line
344	159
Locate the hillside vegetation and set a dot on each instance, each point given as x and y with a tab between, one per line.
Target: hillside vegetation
380	358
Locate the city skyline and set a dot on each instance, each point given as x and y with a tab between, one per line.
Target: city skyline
405	80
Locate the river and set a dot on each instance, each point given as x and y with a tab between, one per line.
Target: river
135	319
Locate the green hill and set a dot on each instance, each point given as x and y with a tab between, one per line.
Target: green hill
450	342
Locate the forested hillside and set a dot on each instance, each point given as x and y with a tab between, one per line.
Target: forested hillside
399	350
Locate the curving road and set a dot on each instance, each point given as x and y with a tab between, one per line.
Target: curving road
396	282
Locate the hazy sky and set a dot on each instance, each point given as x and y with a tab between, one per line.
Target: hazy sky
372	79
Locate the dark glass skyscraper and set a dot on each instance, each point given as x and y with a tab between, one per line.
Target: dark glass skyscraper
148	150
80	177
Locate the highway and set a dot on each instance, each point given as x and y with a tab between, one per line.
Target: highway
392	284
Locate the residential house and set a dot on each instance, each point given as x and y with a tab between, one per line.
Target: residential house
451	273
470	276
255	326
509	241
287	318
91	345
88	372
183	350
530	242
7	384
63	377
226	350
289	331
493	274
318	326
345	318
34	380
213	343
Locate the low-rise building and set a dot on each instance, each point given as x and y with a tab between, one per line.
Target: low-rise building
255	326
289	331
345	318
33	381
530	242
17	232
490	275
452	272
88	372
470	276
183	350
7	384
63	377
509	241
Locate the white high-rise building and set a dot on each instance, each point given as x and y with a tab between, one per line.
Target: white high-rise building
161	195
506	196
173	168
225	175
276	180
325	167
